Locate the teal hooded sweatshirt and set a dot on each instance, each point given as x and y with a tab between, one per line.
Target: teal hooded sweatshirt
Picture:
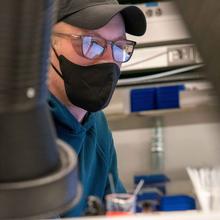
93	143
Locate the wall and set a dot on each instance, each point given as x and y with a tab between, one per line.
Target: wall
190	138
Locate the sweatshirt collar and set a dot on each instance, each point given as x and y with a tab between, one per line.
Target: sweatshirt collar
63	116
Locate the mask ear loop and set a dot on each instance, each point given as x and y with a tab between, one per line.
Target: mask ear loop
56	70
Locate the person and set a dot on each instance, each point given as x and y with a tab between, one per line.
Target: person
88	47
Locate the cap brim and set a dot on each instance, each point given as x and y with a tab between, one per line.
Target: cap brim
97	16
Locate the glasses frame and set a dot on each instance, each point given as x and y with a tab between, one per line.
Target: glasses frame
107	42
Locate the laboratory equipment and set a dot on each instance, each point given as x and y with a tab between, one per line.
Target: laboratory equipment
157	160
38	174
206	183
120	204
176	203
166	49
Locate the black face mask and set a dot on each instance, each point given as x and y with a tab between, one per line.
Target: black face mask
88	87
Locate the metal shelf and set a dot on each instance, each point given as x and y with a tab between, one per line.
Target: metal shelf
172	117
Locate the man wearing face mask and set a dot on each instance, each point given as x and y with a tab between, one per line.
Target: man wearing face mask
88	47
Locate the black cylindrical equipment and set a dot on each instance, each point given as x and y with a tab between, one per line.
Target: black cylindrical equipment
27	138
31	161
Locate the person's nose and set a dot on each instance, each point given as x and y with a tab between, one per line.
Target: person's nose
107	55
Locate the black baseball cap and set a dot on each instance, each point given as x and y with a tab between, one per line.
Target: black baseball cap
93	14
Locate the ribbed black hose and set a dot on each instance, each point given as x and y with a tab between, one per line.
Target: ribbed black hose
27	137
24	44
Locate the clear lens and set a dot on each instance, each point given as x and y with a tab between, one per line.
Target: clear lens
91	48
122	51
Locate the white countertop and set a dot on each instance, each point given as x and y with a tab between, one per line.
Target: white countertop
186	215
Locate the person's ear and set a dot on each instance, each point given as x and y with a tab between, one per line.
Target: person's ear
55	43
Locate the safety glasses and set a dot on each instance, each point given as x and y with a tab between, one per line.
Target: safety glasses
92	47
